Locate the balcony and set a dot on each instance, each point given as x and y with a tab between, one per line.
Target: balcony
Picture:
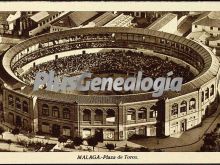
151	120
86	122
110	123
131	121
141	121
98	122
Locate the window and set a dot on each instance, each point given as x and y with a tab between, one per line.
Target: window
188	50
177	45
86	133
45	110
137	14
174	110
168	42
172	44
131	114
86	115
11	118
25	106
207	93
18	121
55	111
10	100
17	103
211	28
212	90
202	96
218	29
66	131
192	103
110	117
162	41
195	26
25	124
66	113
45	127
183	106
98	115
142	113
153	114
218	44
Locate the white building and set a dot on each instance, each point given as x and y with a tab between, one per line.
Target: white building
12	18
209	22
43	19
214	42
72	20
199	36
167	23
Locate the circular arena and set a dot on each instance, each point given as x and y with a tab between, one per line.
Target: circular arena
114	52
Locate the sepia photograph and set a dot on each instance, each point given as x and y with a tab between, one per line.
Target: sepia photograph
109	81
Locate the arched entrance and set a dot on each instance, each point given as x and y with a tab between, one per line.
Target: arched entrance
56	130
99	134
18	121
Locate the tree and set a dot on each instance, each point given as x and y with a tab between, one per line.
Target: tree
30	136
92	141
2	131
15	132
62	139
99	136
209	142
77	140
159	107
110	146
9	143
47	138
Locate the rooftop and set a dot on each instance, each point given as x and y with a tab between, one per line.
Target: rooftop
64	21
42	15
185	25
162	21
104	18
80	17
209	19
120	21
201	35
4	16
13	17
74	19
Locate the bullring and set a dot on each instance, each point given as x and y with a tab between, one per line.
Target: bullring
116	115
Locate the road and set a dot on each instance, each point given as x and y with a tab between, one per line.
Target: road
189	141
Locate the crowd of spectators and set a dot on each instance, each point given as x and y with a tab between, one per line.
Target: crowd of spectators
120	62
64	44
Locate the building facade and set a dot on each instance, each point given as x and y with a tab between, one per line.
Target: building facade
117	117
208	22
